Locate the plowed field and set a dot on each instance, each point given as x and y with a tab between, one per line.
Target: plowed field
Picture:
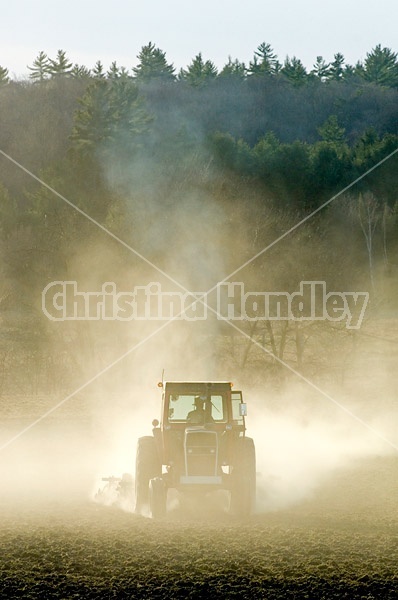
342	543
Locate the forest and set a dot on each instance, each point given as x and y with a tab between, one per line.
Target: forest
197	171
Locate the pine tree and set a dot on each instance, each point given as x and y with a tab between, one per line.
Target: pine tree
153	65
80	72
233	69
199	72
60	66
320	69
381	67
4	78
91	121
295	71
110	119
264	61
98	70
359	69
336	68
350	71
39	70
124	74
331	133
115	72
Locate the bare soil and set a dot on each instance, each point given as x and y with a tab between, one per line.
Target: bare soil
341	543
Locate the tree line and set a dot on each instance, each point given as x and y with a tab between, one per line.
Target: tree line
199	164
380	66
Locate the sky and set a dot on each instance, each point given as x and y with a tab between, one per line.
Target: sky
91	30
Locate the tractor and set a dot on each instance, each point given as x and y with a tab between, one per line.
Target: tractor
198	446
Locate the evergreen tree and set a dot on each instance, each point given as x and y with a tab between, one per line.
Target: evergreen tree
233	69
366	147
124	74
110	119
80	72
359	69
264	61
381	67
60	66
265	154
295	71
115	72
199	72
350	71
331	131
98	70
320	69
336	69
4	78
330	170
153	65
39	69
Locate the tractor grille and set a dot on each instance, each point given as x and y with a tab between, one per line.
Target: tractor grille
201	452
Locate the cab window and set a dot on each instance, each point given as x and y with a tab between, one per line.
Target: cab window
182	404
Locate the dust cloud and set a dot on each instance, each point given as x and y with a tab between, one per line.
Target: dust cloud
297	455
197	241
301	439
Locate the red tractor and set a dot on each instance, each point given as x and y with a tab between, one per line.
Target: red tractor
199	446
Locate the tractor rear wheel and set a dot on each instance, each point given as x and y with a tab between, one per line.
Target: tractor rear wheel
147	466
243	490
